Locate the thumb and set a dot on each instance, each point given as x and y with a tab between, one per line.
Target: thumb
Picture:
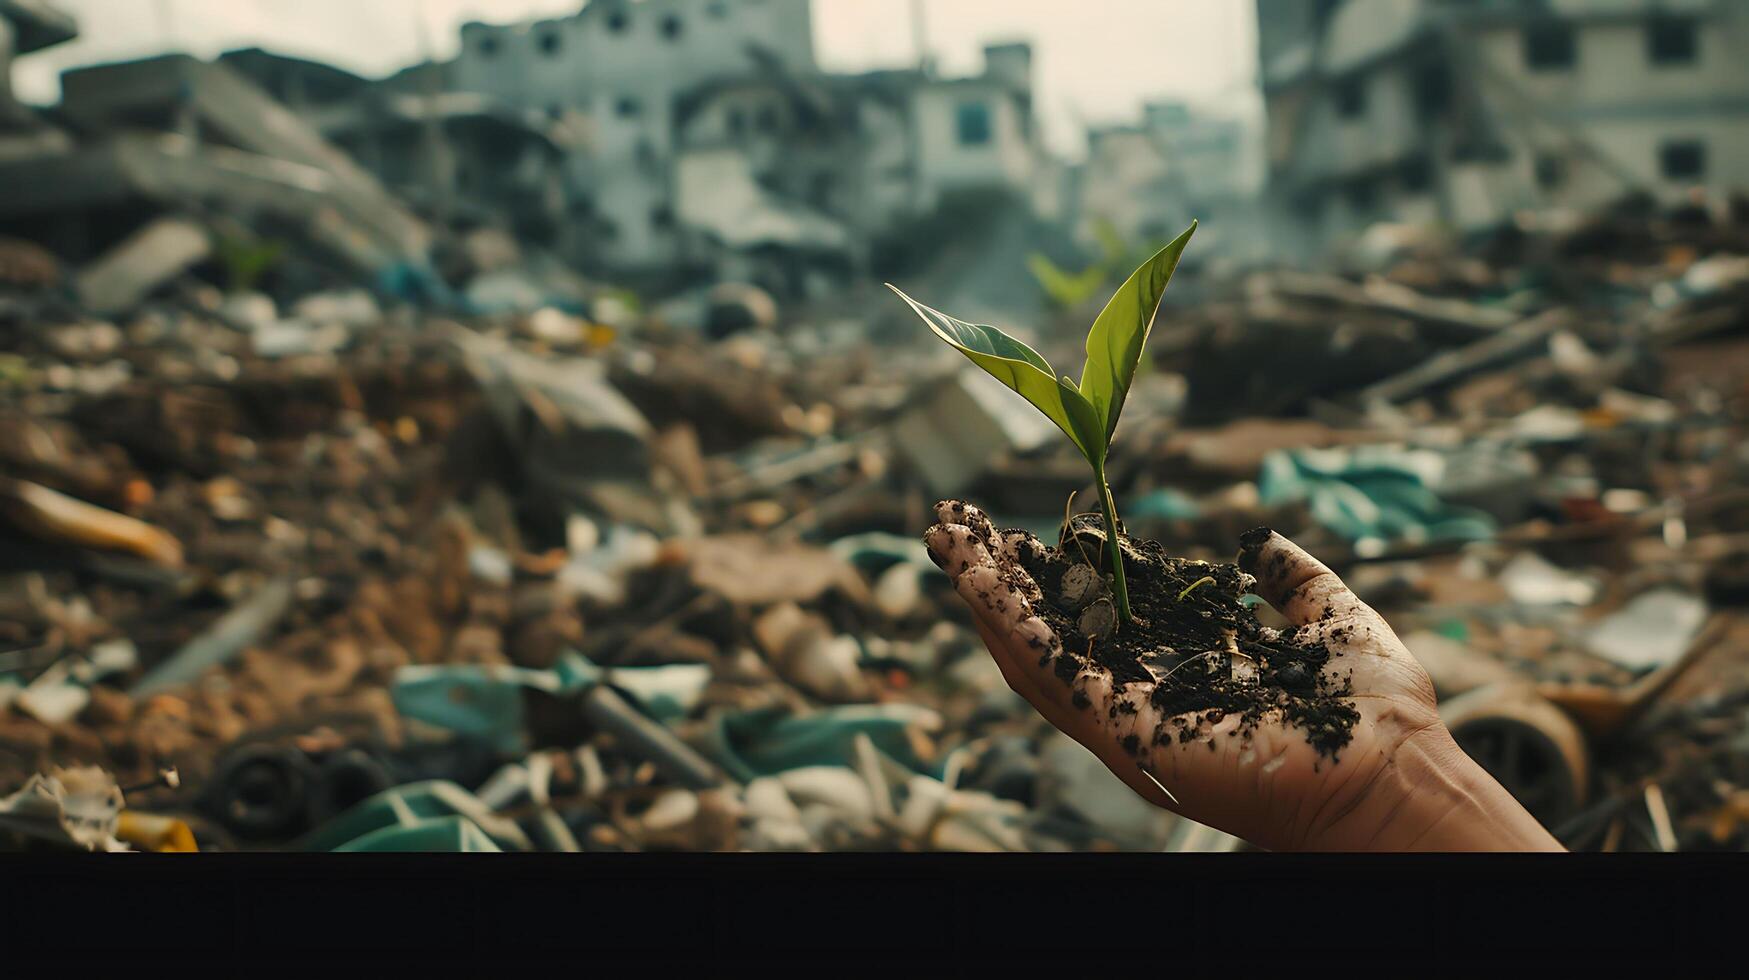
1300	587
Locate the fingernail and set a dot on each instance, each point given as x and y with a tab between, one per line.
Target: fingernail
1251	545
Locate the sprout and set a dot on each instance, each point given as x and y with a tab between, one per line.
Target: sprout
1086	412
1192	587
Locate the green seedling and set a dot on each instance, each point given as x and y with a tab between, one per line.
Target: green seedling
1192	587
1087	412
1068	290
245	262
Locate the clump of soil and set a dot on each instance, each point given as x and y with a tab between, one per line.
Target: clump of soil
1193	638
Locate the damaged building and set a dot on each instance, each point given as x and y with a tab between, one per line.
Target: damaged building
713	140
155	159
1146	180
654	144
779	163
1464	113
775	173
26	26
463	161
1143	181
623	67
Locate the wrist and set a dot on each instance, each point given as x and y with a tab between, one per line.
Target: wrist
1430	796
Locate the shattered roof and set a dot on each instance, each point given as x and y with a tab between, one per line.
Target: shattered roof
38	23
269	68
718	195
1363	30
410	109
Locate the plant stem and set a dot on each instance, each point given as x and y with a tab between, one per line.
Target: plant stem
1118	589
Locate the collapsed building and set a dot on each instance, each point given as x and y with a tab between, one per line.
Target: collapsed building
777	160
1463	113
138	154
658	145
1146	181
26	26
622	67
685	108
461	159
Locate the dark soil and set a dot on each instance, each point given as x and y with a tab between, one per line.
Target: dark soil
1186	646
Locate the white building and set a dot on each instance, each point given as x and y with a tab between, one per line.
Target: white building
623	64
1129	184
1146	182
710	129
1209	151
977	132
1464	112
821	165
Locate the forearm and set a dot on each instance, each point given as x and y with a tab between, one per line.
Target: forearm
1433	797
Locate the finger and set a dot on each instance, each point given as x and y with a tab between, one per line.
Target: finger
1002	611
1013	543
954	549
1122	730
1024	682
1050	699
993	598
1001	590
1118	730
964	514
1028	656
1299	586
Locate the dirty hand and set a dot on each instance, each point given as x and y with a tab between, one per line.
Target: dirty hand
1401	783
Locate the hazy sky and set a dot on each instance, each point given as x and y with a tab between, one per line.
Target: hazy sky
1097	60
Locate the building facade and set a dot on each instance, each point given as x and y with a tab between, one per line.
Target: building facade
819	166
709	130
1146	181
622	66
27	26
1463	113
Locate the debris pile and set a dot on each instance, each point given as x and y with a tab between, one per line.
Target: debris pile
494	586
1527	452
528	582
326	526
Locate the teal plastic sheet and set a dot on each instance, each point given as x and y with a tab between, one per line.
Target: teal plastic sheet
485	703
1164	504
1378	493
422	816
445	835
750	744
874	552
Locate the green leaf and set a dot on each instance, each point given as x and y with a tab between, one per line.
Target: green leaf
1066	289
1089	433
1114	345
1024	370
1111	243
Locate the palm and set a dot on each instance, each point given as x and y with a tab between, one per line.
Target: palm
1271	787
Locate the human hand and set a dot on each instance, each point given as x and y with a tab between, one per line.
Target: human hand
1401	783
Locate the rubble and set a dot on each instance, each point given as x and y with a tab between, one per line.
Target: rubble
78	807
146	260
532	600
394	533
